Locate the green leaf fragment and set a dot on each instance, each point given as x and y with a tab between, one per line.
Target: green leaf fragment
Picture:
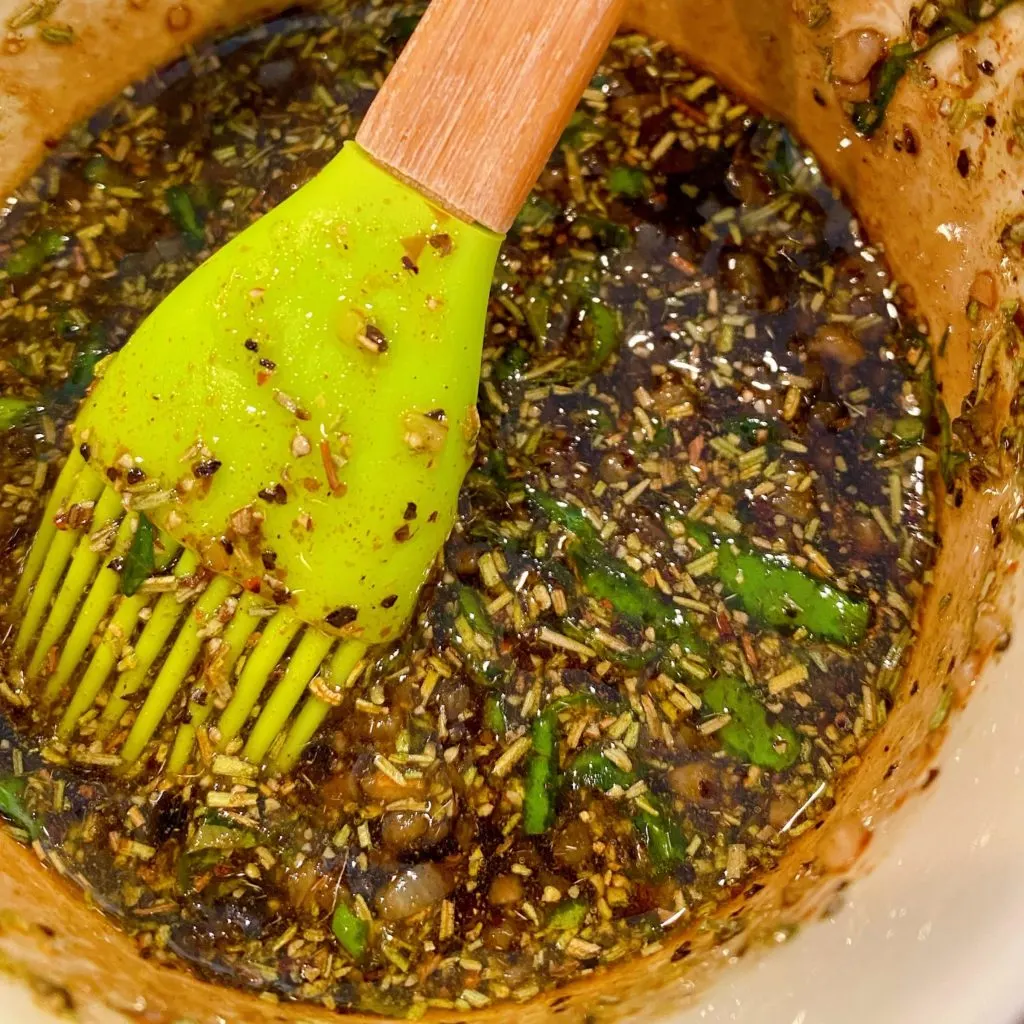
183	213
12	807
664	839
38	248
352	932
141	558
628	181
607	578
12	412
211	835
780	595
593	770
539	795
605	328
494	715
536	212
568	916
750	734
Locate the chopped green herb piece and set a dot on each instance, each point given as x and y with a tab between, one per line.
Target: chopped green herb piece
592	769
750	735
351	931
12	412
494	715
568	916
606	329
39	248
779	595
606	578
951	458
12	793
628	181
536	212
539	797
211	835
141	558
183	213
664	839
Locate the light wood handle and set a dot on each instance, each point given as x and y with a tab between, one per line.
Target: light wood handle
479	97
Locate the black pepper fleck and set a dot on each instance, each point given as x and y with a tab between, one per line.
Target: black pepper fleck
963	163
207	467
410	512
275	494
252	345
389	601
403	533
342	616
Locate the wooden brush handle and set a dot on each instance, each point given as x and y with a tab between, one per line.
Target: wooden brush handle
480	95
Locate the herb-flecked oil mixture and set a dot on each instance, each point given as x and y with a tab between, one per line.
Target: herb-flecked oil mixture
674	607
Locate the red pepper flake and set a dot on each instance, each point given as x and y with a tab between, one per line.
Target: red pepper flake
748	650
403	533
695	114
336	486
252	584
682	264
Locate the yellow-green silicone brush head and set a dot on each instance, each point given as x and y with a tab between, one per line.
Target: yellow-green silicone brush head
286	433
262	478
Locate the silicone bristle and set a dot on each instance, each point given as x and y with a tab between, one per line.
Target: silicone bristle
341	674
70	586
89	616
87	488
175	668
277	636
304	663
232	642
119	630
47	528
155	634
79	576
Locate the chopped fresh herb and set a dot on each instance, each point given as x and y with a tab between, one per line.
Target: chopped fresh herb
40	247
568	916
628	181
185	216
538	800
778	595
141	558
12	805
750	734
352	932
12	412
